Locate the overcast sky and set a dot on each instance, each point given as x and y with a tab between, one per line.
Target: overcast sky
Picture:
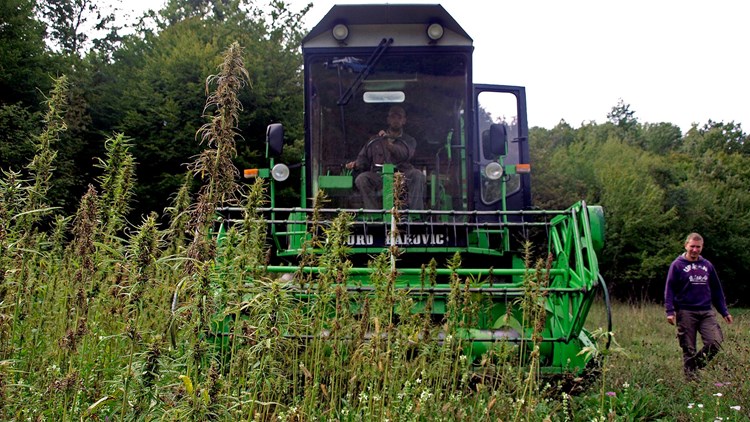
675	61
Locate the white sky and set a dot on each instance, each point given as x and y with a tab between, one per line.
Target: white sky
675	61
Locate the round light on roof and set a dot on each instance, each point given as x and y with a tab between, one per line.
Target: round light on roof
280	172
340	32
493	171
435	31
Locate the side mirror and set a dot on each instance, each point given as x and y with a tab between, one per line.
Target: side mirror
498	138
275	138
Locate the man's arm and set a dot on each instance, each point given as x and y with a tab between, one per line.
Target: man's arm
398	149
401	149
362	161
669	295
717	294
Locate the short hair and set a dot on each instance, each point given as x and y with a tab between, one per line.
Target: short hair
694	236
397	110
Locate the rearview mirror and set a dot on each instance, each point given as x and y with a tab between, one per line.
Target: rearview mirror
275	138
498	138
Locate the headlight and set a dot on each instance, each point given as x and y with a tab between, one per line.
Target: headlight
493	171
340	32
280	172
435	31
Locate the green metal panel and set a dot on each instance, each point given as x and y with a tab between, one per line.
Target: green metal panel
596	222
335	182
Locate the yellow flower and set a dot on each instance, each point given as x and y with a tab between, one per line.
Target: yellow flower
188	383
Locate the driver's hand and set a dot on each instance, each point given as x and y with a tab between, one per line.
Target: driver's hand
350	165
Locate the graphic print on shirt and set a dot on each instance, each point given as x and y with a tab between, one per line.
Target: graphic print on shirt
698	274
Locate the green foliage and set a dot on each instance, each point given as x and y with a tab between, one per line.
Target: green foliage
140	329
117	181
646	382
717	136
661	138
634	205
153	95
156	81
622	116
70	21
17	124
23	60
655	187
42	165
176	10
145	86
719	207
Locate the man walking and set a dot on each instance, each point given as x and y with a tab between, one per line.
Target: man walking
692	287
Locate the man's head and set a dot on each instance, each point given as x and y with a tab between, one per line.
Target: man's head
396	118
693	246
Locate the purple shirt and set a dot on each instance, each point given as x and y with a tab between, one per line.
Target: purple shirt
693	286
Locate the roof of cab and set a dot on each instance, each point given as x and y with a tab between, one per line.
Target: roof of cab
373	14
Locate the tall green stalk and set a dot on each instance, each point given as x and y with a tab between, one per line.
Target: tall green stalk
179	216
534	314
41	166
142	254
22	203
117	183
86	232
214	165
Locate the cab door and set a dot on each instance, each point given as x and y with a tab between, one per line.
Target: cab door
501	132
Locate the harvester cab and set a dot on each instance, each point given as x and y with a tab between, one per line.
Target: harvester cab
462	171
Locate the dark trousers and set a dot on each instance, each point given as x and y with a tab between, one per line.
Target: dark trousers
689	324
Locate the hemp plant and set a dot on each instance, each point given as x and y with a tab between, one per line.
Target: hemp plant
13	197
252	248
214	165
41	166
179	216
218	174
22	202
532	305
117	183
142	254
86	231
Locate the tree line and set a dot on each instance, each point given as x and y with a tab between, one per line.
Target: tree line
146	80
656	185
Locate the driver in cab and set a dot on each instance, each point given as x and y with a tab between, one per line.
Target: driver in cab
390	146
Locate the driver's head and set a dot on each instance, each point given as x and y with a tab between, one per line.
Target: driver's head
396	117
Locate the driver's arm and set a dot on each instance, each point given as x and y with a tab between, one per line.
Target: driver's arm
362	162
399	150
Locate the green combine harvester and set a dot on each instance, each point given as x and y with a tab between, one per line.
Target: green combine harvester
469	168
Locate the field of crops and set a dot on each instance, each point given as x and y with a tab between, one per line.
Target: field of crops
105	320
120	330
